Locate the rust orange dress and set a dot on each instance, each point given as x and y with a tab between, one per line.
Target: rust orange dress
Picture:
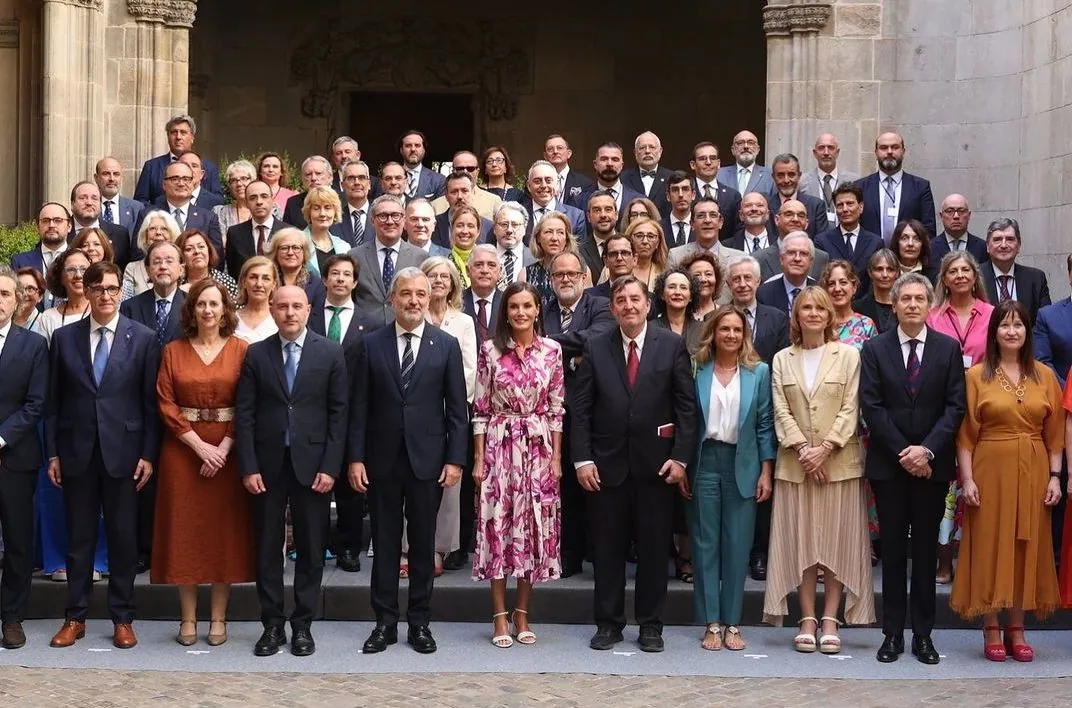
1006	551
203	532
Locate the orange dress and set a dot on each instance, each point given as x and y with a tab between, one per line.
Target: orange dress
1006	551
203	532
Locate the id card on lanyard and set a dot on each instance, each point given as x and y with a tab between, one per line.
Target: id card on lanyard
962	338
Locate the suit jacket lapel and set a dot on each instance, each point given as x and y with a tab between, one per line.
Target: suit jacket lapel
747	382
893	351
275	355
372	265
118	351
14	339
427	350
618	357
704	376
830	355
647	356
390	351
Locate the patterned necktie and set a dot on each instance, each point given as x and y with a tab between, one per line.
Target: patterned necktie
561	185
613	194
889	222
751	323
707	191
508	263
680	239
261	232
100	357
912	368
335	326
359	227
567	318
828	193
482	319
179	218
755	244
1005	293
290	365
108	216
632	365
793	298
388	268
407	361
411	184
161	321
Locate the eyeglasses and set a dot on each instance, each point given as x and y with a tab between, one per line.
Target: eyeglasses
109	290
615	255
356	178
54	221
496	161
952	211
75	270
163	261
749	141
439	276
706	158
239	180
645	237
509	226
470	168
31	289
180	179
290	248
567	275
395	216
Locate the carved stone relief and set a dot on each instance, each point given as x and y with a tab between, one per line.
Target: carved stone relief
174	13
786	19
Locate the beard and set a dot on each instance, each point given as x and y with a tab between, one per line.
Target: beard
746	159
891	164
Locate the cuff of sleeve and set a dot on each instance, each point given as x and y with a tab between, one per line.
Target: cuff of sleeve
930	455
579	465
3	443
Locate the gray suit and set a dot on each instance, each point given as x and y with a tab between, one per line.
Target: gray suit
723	253
770	265
370	296
811	183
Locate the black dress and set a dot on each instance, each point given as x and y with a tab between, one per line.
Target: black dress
881	314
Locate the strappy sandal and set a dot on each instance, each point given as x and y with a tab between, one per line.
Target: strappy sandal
502	641
733	631
830	643
714	630
214	640
526	636
805	642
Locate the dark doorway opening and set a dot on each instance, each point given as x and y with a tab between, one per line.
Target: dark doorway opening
377	120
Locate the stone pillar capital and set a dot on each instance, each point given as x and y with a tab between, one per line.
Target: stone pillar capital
91	4
784	20
174	13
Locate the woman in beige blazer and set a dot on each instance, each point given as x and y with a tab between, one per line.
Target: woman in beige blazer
820	507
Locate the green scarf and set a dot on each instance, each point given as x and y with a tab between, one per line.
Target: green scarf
460	258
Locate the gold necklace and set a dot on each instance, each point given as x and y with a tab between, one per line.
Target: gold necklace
1018	391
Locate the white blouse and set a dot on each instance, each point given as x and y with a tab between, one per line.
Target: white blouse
724	409
50	320
264	330
812	359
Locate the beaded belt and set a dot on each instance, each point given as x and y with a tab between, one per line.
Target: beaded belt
208	415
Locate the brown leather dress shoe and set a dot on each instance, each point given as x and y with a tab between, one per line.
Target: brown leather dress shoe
70	632
124	637
14	637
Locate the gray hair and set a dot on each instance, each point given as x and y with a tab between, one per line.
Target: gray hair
316	158
20	292
306	242
241	166
483	248
146	222
792	235
538	163
784	159
912	279
408	273
417	201
388	198
563	254
749	261
343	139
176	120
515	206
1002	224
454	296
351	163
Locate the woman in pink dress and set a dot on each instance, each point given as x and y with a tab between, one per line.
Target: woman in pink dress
517	429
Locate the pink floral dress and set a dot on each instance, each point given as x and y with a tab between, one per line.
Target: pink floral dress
518	406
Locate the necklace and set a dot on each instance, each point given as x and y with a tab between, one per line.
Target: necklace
1018	391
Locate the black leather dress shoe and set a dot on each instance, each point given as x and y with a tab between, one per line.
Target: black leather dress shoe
348	561
455	560
571	565
605	638
421	639
270	641
301	642
382	637
924	651
757	567
651	639
892	647
141	565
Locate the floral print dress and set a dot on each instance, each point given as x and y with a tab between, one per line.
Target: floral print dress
518	406
855	331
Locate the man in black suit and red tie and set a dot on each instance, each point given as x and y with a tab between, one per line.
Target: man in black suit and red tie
632	462
912	397
847	240
251	238
892	195
648	177
1004	278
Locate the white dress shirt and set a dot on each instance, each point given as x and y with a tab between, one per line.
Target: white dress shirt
639	343
49	256
94	338
898	178
380	255
700	184
300	341
414	343
519	260
853	235
169	299
365	211
750	246
1012	280
346	315
724	409
906	347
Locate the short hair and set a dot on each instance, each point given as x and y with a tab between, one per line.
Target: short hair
536	247
611	145
850	273
391	163
316	158
343	139
501	336
95	274
54	277
566	254
459	175
509	174
188	317
392	198
83	183
179	119
250	264
1068	262
703	144
161	244
784	159
617	237
623	281
750	262
941	290
701	201
848	188
354	163
407	273
822	299
602	193
513	206
402	138
1002	224
39	280
213	255
705	352
912	278
660	286
924	236
66	209
561	137
649	207
196	154
676	177
883	255
241	166
534	165
284	178
336	258
483	248
105	242
147	222
705	256
783	243
322	196
454	295
20	293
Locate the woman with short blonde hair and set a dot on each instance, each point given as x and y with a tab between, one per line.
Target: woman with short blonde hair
322	210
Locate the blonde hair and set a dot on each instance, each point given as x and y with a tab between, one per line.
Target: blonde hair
571	241
822	299
454	297
250	264
941	290
746	357
661	254
323	196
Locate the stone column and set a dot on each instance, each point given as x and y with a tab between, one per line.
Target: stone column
72	90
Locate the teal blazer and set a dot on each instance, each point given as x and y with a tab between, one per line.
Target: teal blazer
755	427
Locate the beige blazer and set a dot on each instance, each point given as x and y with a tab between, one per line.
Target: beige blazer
830	411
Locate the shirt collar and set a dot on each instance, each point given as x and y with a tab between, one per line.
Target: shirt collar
903	338
346	305
417	332
109	325
268	223
998	273
845	232
300	340
897	177
56	251
170	298
353	210
789	287
185	207
639	338
415	170
617	187
5	331
564	172
380	245
823	175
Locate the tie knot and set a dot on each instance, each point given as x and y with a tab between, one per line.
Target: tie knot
408	336
336	308
632	345
291	347
161	304
913	343
795	291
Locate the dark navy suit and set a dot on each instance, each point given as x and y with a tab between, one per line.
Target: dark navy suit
151	180
817	222
581	200
1053	338
204	220
916	201
833	242
631	178
975	246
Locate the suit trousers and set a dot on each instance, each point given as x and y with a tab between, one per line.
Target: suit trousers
906	502
391	497
146	518
574	508
350	517
83	498
640	510
17	524
310	513
721	523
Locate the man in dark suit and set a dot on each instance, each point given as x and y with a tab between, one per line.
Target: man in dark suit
619	259
955	215
482	298
796	256
1005	279
381	257
315	172
677	219
159	309
459	193
115	208
892	195
608	166
356	226
827	176
336	318
757	229
290	432
785	170
421	181
408	439
792	217
847	240
178	185
23	387
102	432
199	194
181	131
251	238
420	222
53	229
542	199
344	149
570	182
632	461
1053	334
602	217
648	177
705	166
86	209
745	174
571	319
912	397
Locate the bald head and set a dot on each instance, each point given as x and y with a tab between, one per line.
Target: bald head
745	148
648	150
792	216
826	151
109	177
889	152
955	213
290	310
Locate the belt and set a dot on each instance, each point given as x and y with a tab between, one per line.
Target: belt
1027	508
208	415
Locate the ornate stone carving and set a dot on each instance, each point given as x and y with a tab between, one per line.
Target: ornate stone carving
91	4
783	20
491	57
174	13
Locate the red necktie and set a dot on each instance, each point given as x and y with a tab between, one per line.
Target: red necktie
632	365
260	239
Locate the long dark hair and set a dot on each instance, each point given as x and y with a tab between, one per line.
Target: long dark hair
502	322
921	232
992	358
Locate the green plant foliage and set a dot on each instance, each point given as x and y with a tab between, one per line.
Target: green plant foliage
293	169
16	239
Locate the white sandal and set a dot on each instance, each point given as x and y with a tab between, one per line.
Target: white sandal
503	641
830	643
805	642
527	637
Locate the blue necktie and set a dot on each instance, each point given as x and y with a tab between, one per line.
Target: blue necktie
290	365
100	357
161	321
108	216
388	269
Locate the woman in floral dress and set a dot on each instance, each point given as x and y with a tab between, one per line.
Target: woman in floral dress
517	428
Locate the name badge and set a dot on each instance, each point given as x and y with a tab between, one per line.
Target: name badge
892	211
967	361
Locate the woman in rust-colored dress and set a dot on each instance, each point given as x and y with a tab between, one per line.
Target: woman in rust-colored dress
203	531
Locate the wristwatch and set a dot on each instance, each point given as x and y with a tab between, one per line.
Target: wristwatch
930	455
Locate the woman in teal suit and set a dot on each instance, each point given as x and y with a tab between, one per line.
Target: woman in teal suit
733	472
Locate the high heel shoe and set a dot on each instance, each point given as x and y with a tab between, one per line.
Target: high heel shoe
1020	652
805	641
830	643
526	636
993	652
187	639
215	640
503	641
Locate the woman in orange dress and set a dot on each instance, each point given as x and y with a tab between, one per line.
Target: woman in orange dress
1009	461
203	531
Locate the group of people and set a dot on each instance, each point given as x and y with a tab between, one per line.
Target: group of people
743	369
